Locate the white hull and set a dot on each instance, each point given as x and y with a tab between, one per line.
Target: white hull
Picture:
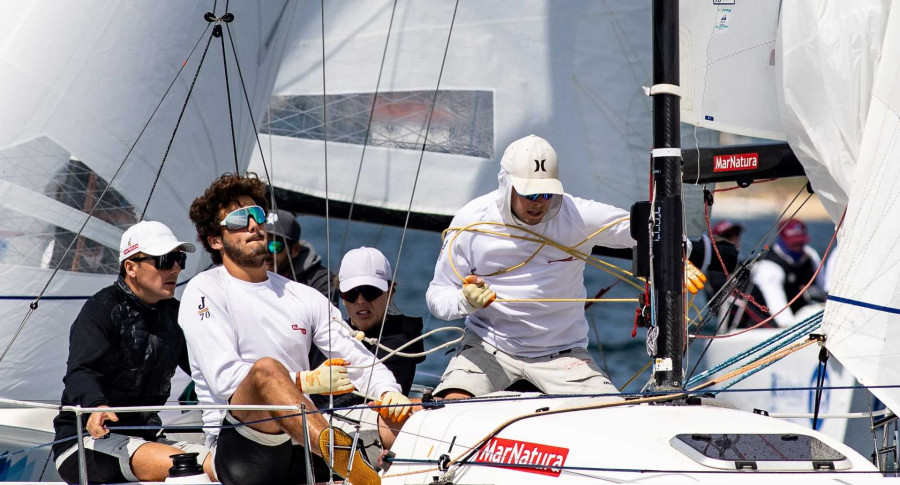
628	443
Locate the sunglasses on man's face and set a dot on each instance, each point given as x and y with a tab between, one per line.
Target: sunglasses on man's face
369	293
535	197
166	261
276	247
240	218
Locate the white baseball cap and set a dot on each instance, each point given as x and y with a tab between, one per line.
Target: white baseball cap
151	238
533	165
364	266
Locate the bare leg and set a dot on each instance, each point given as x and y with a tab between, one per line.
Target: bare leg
270	383
151	462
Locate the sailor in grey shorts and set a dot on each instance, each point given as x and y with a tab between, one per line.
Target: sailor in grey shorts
479	368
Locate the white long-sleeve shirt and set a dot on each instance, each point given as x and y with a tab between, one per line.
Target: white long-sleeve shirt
229	324
525	329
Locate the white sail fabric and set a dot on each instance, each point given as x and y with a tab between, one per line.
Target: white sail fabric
78	86
862	316
569	71
828	58
728	66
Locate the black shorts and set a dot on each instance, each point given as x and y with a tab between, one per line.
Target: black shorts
250	457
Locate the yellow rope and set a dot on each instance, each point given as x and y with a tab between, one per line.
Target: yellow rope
612	269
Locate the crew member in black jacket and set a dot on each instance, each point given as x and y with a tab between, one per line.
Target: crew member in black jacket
123	349
365	278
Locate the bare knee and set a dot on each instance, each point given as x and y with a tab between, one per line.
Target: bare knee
267	369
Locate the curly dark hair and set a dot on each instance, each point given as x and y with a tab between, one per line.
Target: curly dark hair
223	191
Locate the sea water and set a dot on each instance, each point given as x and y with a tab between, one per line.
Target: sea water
611	324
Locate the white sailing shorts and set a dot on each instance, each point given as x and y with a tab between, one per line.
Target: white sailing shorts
480	368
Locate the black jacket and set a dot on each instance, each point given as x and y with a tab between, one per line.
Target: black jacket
308	269
122	352
398	330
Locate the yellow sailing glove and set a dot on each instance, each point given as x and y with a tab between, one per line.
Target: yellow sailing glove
693	278
329	378
477	292
398	413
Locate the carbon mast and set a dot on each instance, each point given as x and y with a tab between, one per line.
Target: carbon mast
667	215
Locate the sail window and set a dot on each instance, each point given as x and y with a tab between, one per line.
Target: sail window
760	452
48	195
462	122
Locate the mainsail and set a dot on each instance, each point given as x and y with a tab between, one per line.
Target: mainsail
568	71
79	84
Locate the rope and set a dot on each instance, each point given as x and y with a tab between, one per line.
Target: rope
800	293
362	155
177	125
412	194
543	241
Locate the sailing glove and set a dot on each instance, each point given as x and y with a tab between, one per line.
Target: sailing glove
401	407
329	378
477	292
693	278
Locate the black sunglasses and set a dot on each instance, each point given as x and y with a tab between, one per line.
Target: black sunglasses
368	293
166	261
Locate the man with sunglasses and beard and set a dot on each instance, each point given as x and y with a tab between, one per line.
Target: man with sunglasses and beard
542	343
250	332
294	258
124	347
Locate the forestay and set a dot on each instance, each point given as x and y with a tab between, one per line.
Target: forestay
78	86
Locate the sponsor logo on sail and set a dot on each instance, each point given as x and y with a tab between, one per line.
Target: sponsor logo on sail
735	161
536	458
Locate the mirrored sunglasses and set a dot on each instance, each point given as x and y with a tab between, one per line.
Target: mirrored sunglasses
369	293
535	197
276	247
240	218
166	261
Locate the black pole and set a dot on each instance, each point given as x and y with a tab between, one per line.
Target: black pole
668	219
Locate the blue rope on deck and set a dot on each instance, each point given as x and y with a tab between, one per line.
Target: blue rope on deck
780	340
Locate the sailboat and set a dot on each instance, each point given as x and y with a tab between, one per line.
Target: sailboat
506	437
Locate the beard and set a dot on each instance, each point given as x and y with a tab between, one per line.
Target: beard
247	257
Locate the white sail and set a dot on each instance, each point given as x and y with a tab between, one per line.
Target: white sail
728	66
569	71
79	83
863	309
827	61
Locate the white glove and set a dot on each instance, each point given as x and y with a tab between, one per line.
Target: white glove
398	413
329	378
477	292
693	278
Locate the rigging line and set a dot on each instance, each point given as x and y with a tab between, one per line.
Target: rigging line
362	156
237	64
237	169
177	125
34	305
766	240
327	234
412	195
802	290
